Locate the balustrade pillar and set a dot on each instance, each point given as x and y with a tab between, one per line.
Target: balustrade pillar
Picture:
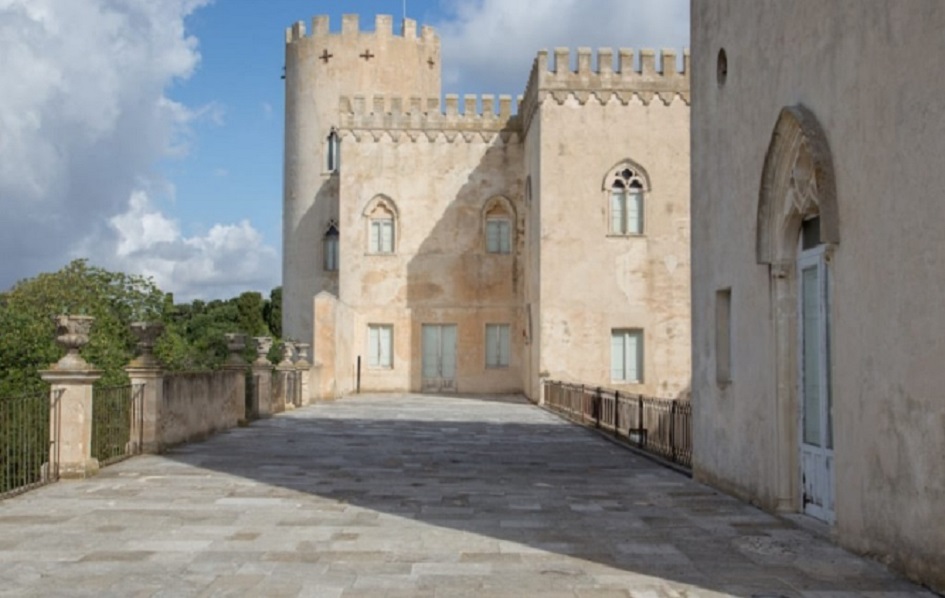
305	372
286	373
71	379
147	373
262	377
236	365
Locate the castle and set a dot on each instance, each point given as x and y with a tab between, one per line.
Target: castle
483	245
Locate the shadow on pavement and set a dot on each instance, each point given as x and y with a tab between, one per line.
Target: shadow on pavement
503	469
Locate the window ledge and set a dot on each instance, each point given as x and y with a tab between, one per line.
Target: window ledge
627	236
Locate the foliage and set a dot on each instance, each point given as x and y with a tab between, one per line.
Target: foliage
193	339
272	312
194	333
114	299
193	336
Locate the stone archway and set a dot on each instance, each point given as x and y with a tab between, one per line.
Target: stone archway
797	183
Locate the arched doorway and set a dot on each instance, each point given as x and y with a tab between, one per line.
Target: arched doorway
798	231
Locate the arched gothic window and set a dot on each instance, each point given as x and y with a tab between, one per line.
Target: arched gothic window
330	242
499	226
626	186
381	216
333	151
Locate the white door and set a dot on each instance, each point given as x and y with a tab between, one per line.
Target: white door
439	357
816	423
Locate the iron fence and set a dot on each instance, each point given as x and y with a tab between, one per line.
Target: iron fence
662	427
117	416
29	442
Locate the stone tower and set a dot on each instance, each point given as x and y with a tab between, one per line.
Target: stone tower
319	69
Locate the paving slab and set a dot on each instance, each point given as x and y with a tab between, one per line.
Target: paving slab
412	495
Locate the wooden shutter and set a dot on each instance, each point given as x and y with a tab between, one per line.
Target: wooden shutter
617	357
491	346
387	236
634	353
385	338
505	237
503	345
375	242
617	208
373	344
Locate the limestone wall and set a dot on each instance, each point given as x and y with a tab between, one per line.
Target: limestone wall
865	70
320	68
440	272
532	373
589	280
198	405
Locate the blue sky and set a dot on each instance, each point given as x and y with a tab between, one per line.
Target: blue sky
146	135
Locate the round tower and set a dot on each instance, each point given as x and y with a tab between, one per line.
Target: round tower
319	70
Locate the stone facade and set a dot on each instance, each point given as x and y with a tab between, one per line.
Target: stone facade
818	266
478	246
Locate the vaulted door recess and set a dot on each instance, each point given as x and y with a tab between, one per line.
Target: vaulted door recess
439	358
816	422
797	236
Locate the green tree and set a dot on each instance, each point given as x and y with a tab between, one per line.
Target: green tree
250	307
114	299
272	312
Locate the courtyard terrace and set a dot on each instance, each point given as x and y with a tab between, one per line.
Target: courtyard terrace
412	495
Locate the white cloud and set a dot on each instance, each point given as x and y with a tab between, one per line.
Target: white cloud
84	118
219	263
489	45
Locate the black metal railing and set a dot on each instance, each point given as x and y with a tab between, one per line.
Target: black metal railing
662	427
117	412
29	442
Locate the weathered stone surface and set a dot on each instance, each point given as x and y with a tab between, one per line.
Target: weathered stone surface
356	498
777	142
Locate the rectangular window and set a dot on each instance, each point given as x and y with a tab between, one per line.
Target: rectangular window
382	235
498	235
380	346
626	212
723	336
331	252
626	355
497	345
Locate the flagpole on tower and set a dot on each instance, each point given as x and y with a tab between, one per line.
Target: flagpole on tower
405	10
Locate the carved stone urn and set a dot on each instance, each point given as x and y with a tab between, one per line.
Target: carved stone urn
147	334
302	351
235	344
288	350
72	332
263	345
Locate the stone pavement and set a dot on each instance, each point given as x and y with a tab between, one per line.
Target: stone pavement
407	495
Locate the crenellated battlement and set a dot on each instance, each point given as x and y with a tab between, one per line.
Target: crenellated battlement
351	26
597	76
458	118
